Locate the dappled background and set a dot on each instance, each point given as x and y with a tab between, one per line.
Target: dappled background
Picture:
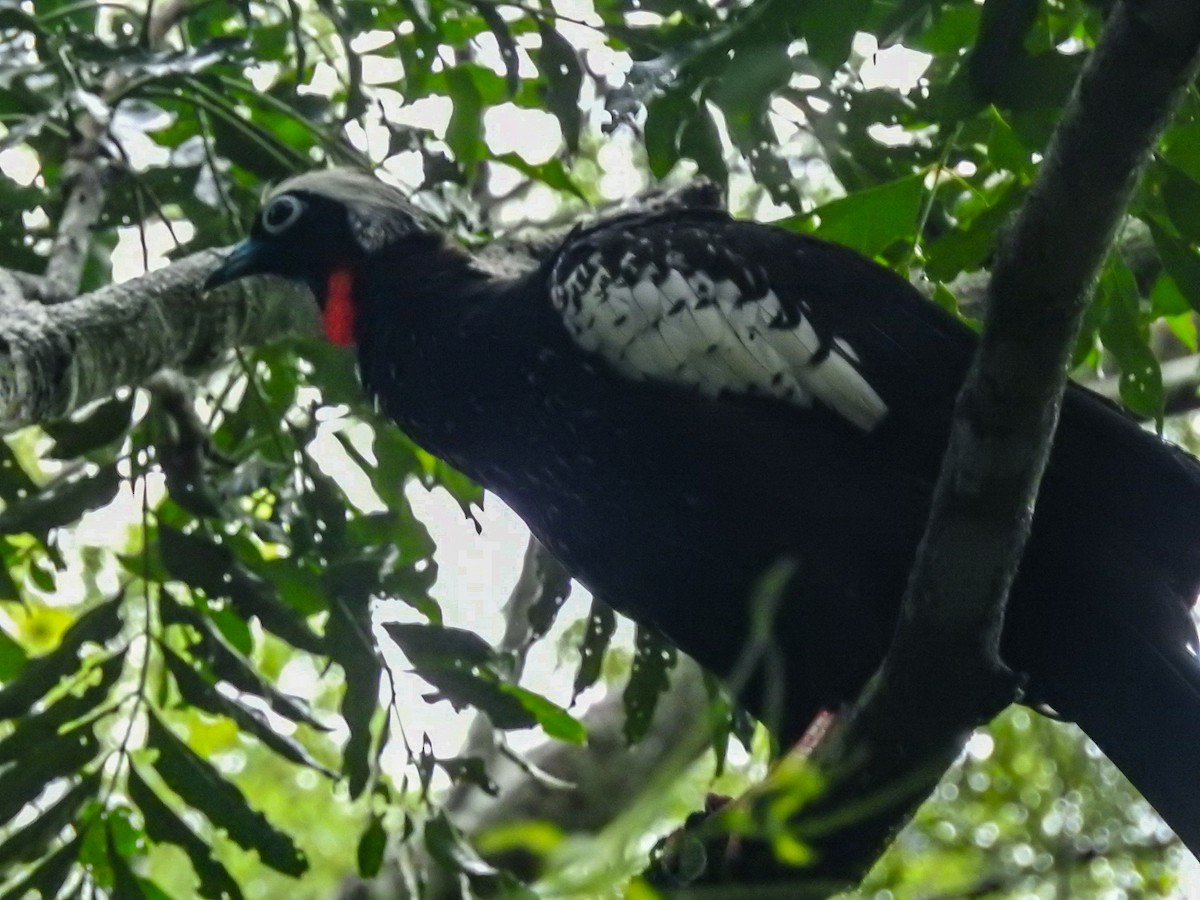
217	576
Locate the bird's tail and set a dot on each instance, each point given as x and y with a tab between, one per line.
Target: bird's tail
1140	702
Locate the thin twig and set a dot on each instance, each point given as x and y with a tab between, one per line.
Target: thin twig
90	171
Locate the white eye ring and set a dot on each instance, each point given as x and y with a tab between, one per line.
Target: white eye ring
281	213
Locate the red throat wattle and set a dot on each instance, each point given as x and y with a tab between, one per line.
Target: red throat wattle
338	315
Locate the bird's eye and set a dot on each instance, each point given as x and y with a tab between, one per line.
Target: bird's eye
281	213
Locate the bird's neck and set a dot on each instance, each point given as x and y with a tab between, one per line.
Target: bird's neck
411	294
424	353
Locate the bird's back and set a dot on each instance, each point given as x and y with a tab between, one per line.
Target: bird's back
585	395
675	402
1117	530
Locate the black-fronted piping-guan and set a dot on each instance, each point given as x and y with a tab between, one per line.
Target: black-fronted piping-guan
675	401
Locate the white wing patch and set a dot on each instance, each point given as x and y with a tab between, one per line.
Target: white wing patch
675	323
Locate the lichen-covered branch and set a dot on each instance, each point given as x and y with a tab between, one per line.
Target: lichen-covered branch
54	359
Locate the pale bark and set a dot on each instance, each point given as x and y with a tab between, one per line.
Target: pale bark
56	358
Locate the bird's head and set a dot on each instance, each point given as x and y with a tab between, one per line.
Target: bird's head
319	228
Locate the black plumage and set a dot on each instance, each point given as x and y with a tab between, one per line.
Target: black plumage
675	401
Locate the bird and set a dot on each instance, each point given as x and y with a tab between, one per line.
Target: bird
677	401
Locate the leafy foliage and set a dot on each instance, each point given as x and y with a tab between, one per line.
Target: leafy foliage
143	673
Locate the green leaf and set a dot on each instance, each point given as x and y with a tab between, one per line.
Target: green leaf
1166	299
203	788
125	884
743	92
97	427
296	584
470	770
12	655
1005	150
349	636
483	691
1141	377
553	719
468	672
1182	145
829	29
552	174
41	573
60	757
163	826
32	839
128	834
231	666
417	52
213	569
1181	262
452	851
508	47
15	483
199	693
666	116
371	847
411	585
554	585
653	659
49	876
464	134
601	624
248	145
952	28
968	248
700	141
1184	329
1181	195
720	715
32	731
873	219
96	626
434	646
376	541
465	491
562	80
62	502
395	459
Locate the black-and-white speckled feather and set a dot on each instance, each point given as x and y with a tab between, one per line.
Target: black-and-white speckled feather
663	300
676	401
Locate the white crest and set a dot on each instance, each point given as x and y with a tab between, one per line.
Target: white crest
377	213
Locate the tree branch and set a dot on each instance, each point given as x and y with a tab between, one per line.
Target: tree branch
943	675
89	172
53	361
